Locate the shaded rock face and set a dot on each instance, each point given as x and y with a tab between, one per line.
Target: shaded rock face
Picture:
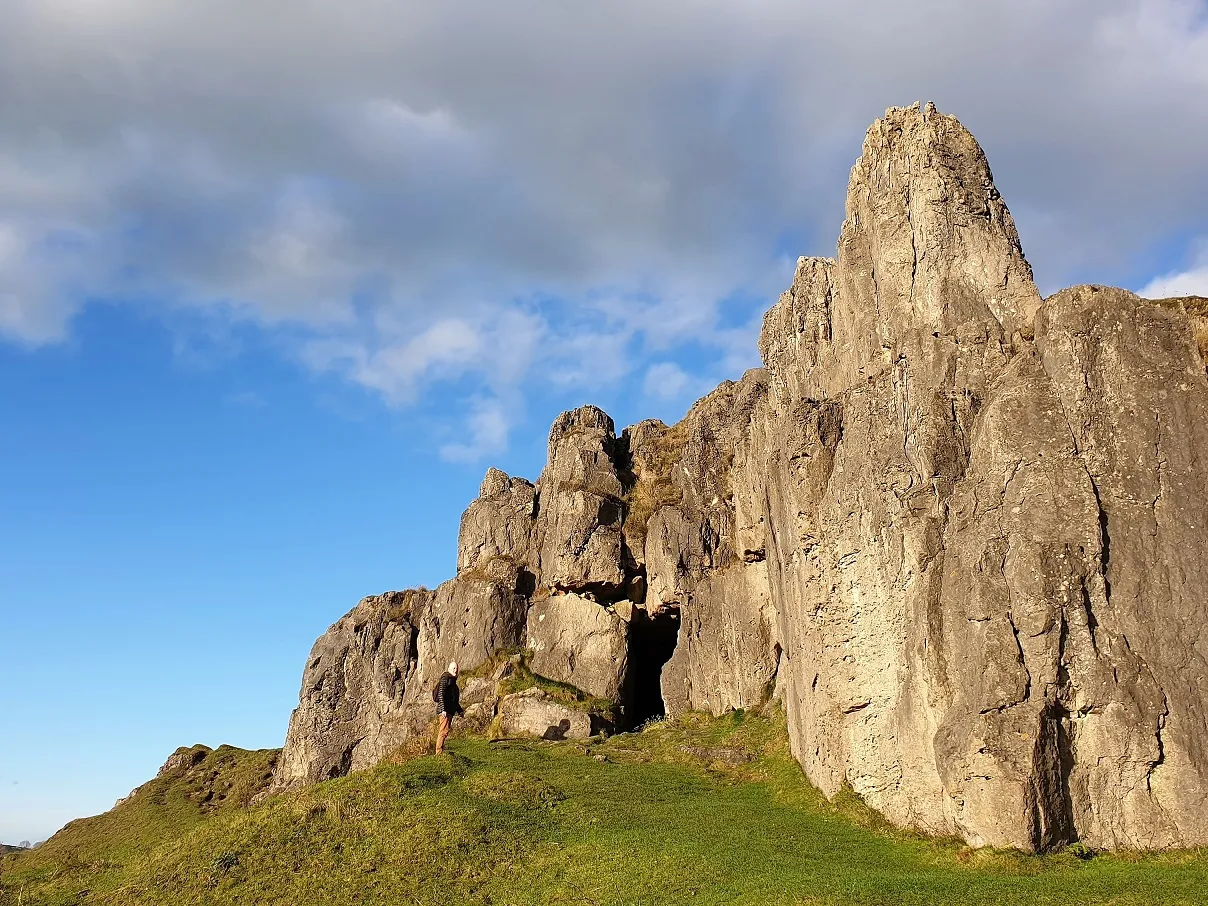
957	530
367	685
355	687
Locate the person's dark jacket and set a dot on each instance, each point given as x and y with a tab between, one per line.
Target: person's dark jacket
448	696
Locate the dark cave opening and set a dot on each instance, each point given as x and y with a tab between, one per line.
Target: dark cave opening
652	640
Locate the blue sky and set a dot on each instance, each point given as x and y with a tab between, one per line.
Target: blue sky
279	281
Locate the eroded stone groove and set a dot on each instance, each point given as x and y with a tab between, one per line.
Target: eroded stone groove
959	532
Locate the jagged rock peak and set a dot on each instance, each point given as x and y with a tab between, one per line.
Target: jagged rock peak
498	525
923	196
577	536
497	482
928	258
584	420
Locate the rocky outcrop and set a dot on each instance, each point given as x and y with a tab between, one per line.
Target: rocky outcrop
958	531
498	525
367	685
210	779
727	655
1196	310
355	691
957	647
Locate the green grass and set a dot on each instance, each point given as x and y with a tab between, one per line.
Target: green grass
695	811
93	854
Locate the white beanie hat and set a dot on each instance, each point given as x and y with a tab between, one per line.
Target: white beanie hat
453	667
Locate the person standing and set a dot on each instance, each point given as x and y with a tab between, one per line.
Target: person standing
448	703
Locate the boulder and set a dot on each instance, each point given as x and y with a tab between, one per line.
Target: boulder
533	713
577	641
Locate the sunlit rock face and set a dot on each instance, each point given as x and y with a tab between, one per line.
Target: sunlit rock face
958	531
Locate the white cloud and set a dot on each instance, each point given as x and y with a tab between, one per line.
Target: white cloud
1193	282
446	349
35	307
1190	282
575	192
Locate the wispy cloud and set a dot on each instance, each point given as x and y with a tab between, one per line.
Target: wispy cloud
487	426
666	381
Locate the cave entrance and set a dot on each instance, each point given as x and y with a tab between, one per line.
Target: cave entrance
652	641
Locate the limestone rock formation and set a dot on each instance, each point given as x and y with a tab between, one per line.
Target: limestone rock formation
577	641
959	649
577	536
498	525
957	531
727	655
354	692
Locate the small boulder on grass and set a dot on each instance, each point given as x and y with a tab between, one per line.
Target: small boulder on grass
533	712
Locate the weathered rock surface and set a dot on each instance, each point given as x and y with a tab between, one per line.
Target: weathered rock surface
957	530
367	685
533	713
1196	310
580	642
577	537
728	653
183	759
498	525
351	710
957	646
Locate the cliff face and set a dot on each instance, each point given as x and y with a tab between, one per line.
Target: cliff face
957	529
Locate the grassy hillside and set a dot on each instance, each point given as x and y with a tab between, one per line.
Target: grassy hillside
84	860
697	811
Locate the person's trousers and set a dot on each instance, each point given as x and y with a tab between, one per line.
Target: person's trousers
442	733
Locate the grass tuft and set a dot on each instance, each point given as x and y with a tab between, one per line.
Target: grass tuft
654	486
